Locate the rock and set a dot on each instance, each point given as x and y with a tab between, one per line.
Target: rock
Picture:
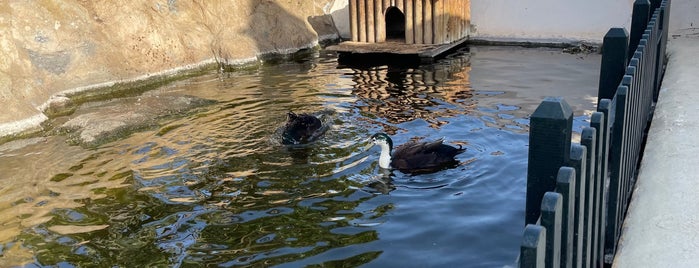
96	123
61	48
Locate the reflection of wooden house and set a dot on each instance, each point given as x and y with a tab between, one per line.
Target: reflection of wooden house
409	21
425	28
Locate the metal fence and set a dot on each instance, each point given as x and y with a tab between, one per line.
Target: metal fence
577	194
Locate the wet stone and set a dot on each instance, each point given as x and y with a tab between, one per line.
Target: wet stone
97	123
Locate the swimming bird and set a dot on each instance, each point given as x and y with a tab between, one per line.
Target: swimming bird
301	128
415	157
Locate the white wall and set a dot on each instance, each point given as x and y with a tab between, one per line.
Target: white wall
684	17
548	20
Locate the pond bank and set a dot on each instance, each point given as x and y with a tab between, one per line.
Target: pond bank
55	51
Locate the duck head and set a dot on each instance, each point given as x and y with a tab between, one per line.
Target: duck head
386	145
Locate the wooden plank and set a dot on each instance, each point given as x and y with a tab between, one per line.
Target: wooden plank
460	15
361	20
409	22
467	17
549	148
400	4
437	20
418	22
565	185
426	52
370	23
533	248
380	21
552	220
616	147
440	49
388	47
578	158
452	19
427	22
450	12
589	140
353	20
598	121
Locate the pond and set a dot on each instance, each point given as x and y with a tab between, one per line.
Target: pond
214	186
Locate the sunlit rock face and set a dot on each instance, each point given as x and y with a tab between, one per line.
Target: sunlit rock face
49	49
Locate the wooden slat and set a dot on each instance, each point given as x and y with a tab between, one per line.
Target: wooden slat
427	23
370	23
438	21
409	22
460	22
353	20
380	21
418	22
400	4
361	20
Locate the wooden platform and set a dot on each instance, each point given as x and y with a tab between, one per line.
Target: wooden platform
425	52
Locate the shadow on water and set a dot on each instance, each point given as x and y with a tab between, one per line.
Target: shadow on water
217	187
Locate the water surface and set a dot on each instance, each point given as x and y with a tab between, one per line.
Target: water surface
215	187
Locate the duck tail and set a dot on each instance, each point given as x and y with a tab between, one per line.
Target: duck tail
291	115
460	150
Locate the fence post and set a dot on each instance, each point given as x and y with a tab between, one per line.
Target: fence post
614	50
589	140
616	148
551	210
663	28
639	22
578	155
533	247
549	144
565	185
598	122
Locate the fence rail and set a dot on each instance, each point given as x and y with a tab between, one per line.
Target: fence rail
577	194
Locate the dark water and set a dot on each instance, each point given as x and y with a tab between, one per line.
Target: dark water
216	187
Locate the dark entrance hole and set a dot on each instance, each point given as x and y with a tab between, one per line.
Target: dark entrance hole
395	25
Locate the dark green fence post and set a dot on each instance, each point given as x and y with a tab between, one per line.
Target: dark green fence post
663	28
565	185
616	154
605	107
551	210
639	22
578	157
628	162
589	140
533	247
598	122
614	50
549	148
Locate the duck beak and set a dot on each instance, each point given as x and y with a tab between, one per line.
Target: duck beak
368	144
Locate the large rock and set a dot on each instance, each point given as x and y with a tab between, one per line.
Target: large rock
53	49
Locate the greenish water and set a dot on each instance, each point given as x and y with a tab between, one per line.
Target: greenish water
215	187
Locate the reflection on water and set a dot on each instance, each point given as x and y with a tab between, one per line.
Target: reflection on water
217	187
401	94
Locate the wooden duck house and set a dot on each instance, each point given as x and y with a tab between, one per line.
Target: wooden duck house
421	27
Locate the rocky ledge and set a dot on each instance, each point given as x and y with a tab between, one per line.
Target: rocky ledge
53	51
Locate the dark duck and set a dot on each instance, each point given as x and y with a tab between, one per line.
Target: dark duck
415	157
301	128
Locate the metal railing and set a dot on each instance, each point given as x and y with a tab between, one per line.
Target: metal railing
577	194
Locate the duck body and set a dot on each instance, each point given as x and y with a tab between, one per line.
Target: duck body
416	157
301	128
